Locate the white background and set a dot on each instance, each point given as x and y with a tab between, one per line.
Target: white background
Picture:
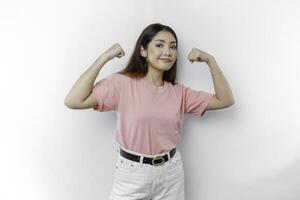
248	151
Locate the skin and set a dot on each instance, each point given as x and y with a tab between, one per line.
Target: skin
163	45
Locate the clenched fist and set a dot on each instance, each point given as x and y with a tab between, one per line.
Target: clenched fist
199	56
115	51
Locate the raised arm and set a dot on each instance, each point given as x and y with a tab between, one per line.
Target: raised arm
223	97
81	95
82	89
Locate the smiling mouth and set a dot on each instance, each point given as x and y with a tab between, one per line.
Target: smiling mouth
165	60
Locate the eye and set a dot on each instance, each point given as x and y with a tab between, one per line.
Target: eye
173	47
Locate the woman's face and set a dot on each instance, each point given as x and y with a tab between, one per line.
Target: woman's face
163	46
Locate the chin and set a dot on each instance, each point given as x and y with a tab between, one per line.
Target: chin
164	68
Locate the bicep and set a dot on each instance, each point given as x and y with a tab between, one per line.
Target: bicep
215	104
90	101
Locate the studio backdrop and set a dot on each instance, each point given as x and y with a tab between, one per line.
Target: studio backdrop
248	151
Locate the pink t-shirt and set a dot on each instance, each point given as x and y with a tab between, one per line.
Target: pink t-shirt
149	117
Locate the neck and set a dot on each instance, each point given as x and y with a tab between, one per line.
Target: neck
155	78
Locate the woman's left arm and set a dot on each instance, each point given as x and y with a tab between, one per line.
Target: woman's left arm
223	93
223	96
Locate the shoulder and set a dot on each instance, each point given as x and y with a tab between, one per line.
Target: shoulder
125	79
120	80
111	81
184	89
178	87
116	78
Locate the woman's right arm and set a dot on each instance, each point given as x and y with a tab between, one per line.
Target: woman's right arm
80	96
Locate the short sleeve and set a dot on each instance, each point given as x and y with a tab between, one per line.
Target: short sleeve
195	102
107	93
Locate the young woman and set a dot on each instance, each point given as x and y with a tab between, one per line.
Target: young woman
150	108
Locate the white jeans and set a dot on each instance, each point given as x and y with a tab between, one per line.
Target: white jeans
140	181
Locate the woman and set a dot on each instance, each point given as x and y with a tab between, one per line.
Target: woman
150	108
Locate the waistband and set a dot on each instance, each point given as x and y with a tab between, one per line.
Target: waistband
142	154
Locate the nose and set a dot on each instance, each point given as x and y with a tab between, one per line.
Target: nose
167	51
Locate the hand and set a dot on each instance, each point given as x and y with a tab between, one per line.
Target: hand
115	51
199	56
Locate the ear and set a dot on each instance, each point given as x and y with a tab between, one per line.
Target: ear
143	52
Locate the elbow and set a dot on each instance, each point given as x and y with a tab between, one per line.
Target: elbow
231	103
69	104
227	103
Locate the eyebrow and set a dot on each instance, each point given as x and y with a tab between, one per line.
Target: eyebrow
164	41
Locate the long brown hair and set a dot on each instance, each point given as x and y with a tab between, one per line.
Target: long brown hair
137	66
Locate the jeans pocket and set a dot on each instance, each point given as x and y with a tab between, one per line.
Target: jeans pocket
126	166
176	163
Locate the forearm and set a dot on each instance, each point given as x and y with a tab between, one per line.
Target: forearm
222	88
84	85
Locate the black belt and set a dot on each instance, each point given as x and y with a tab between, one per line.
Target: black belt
158	160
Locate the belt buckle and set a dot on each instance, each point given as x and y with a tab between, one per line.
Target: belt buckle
158	158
